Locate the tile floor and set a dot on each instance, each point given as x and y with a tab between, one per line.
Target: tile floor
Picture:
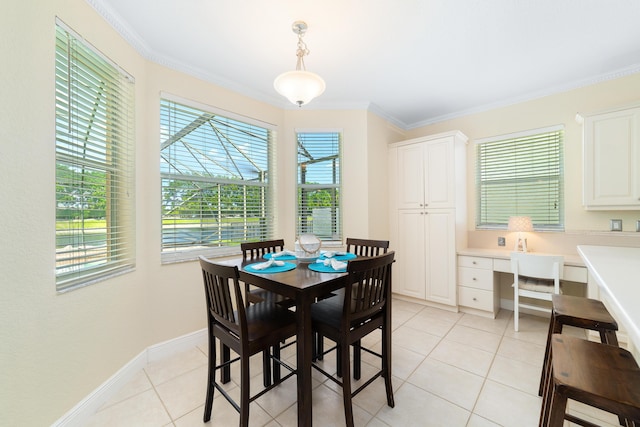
449	369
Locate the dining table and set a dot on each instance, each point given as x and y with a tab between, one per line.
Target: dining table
303	286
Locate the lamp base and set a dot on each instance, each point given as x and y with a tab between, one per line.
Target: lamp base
521	244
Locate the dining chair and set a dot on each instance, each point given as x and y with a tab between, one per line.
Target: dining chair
534	276
363	310
247	330
367	247
253	295
256	250
363	248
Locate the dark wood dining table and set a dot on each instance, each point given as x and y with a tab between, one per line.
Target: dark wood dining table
303	286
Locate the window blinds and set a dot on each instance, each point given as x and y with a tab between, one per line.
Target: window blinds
215	174
95	218
521	175
319	184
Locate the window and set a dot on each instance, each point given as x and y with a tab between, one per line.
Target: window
95	222
319	185
215	170
521	174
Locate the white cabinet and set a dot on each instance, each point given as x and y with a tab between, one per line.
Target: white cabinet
428	215
611	155
425	179
476	292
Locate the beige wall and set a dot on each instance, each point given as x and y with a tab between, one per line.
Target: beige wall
56	349
551	110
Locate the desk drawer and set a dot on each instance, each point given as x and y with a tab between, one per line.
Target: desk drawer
475	278
475	298
475	262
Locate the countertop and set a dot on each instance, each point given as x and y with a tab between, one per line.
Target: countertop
573	260
616	270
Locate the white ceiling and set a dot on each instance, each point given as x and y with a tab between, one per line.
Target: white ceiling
412	61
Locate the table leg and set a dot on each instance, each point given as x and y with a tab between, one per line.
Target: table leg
304	356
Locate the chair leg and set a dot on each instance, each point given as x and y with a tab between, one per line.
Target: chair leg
554	328
276	365
244	392
516	315
225	356
357	360
266	368
339	360
557	408
211	377
386	364
346	386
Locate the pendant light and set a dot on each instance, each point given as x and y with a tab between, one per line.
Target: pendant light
299	86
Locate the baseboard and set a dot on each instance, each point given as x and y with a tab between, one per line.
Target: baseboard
80	414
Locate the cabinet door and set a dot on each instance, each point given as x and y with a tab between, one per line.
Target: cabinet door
409	271
441	253
410	183
439	174
612	160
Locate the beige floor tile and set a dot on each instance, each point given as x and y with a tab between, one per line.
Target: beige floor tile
424	321
474	337
144	409
532	329
507	406
139	383
400	317
495	326
519	375
328	411
463	356
417	407
477	421
448	382
183	394
522	351
176	365
223	415
414	340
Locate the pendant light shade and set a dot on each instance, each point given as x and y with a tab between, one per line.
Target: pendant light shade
299	86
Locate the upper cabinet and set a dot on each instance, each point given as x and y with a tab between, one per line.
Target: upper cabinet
611	159
425	174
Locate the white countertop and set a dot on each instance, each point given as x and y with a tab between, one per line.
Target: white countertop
573	260
616	270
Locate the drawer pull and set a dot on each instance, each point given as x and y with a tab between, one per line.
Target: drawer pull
474	279
473	262
475	299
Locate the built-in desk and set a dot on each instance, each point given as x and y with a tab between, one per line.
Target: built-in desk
479	284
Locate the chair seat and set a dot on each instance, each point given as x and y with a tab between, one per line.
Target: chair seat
265	319
536	285
583	313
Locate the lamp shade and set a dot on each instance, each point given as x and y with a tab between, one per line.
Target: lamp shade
520	223
299	86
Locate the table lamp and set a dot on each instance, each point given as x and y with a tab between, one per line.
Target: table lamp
520	224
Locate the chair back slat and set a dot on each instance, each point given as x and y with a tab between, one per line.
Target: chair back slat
252	250
367	247
368	286
219	280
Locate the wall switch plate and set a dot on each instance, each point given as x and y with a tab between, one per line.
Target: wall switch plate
502	242
616	225
638	225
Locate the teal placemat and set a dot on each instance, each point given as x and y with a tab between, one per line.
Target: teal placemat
272	269
321	268
281	257
344	257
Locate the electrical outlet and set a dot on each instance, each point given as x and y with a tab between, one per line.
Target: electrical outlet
638	225
501	241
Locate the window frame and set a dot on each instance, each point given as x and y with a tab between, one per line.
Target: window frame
335	188
95	164
190	252
549	171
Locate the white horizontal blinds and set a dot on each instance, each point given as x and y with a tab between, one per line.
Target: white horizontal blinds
319	184
521	176
94	164
215	180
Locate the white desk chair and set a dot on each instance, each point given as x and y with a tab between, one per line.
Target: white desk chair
534	276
